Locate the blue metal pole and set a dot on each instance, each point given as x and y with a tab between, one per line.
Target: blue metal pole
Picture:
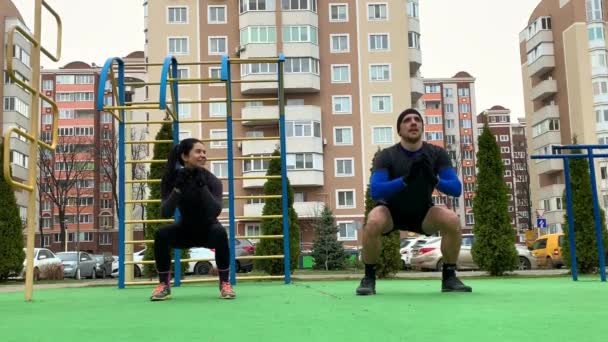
570	220
284	186
177	252
596	216
227	77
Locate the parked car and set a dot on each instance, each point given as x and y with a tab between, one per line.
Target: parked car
547	250
78	264
104	265
43	258
243	248
406	247
429	256
201	267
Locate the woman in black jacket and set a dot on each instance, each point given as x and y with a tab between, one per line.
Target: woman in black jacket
197	193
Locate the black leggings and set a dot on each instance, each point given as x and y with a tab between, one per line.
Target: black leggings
177	235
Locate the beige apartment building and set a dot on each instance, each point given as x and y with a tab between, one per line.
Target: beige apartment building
351	67
16	101
565	79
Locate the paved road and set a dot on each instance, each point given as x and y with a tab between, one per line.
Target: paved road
304	277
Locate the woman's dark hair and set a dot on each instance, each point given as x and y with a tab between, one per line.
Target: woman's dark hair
175	162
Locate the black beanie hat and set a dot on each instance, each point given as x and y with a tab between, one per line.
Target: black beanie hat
406	112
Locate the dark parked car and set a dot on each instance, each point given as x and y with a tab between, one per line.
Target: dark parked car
104	265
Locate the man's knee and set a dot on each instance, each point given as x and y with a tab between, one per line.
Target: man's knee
450	222
378	220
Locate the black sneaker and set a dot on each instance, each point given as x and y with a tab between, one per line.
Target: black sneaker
367	287
453	284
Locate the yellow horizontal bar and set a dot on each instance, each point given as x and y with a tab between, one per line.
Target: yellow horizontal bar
143	181
253	60
202	120
259	237
136	142
196	80
142	103
141	83
261	217
257	99
142	201
256	177
255	81
110	108
256	138
254	119
149	221
260	257
135	242
146	161
258	197
202	63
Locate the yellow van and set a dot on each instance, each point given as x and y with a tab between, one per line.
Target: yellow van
547	250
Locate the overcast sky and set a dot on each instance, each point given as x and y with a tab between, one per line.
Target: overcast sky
477	36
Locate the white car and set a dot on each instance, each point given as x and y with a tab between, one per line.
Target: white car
43	257
196	267
406	247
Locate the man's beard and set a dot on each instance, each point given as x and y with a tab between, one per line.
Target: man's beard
412	140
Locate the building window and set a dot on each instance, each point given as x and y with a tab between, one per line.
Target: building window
343	135
258	35
17	105
301	65
464	108
178	46
505	149
256	5
344	167
347	231
341	104
177	15
216	14
217	109
340	73
339	43
381	103
218	134
219	169
449	108
303	161
504	138
380	72
297	5
47	85
413	40
338	12
217	45
300	34
382	135
105	239
413	9
303	129
469	219
430	136
253	229
378	42
255	165
377	11
20	159
346	199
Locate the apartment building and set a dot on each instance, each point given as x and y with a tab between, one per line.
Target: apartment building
449	104
81	171
565	78
347	77
511	140
15	110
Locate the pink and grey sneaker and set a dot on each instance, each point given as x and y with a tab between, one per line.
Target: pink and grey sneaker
161	292
226	291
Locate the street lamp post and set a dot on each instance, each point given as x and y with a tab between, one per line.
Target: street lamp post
65	225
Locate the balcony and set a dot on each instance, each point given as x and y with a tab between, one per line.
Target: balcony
300	18
417	88
303	209
257	50
543	90
415	57
546	166
301	50
413	24
19	172
304	145
542	36
541	66
294	83
257	18
554	190
555	216
263	112
20	146
547	112
296	178
258	147
547	138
